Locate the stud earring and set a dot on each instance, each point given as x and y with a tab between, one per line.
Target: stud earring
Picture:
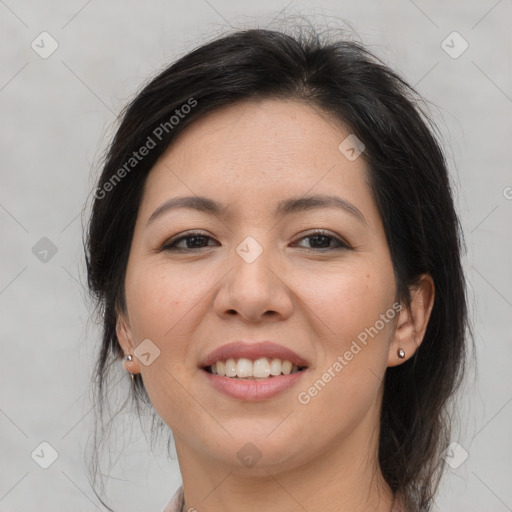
401	353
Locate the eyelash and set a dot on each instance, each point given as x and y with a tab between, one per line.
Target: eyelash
170	245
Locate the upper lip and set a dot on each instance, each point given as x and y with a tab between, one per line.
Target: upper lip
253	351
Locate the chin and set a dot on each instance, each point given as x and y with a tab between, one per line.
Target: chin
260	453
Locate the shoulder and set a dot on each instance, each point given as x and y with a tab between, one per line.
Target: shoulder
176	503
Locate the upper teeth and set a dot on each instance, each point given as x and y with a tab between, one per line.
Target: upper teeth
260	368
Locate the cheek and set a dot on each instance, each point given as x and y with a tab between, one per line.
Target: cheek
344	386
350	301
162	306
359	320
355	321
159	299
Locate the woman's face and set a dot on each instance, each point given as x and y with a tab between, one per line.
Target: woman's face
256	271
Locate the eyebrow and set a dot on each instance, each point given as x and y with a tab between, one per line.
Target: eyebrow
285	207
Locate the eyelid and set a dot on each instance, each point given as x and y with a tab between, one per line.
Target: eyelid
342	243
180	236
324	232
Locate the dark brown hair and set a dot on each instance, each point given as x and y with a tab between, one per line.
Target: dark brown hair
409	182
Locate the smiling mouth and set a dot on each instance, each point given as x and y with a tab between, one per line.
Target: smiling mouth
260	369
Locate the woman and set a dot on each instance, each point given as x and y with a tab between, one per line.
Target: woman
275	249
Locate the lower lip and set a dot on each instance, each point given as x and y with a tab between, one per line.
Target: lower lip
253	390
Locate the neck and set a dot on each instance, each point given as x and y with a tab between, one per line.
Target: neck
341	479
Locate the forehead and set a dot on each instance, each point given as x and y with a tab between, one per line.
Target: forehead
266	131
260	150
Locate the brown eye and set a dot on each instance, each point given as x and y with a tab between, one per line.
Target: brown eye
190	241
322	241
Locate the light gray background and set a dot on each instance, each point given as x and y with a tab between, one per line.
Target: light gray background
56	113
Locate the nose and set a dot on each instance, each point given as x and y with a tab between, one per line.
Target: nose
255	289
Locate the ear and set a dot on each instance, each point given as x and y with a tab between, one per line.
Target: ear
125	337
412	321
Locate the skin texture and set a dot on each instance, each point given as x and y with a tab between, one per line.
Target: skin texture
250	156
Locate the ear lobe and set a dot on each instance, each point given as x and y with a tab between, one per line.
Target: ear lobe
125	339
412	321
